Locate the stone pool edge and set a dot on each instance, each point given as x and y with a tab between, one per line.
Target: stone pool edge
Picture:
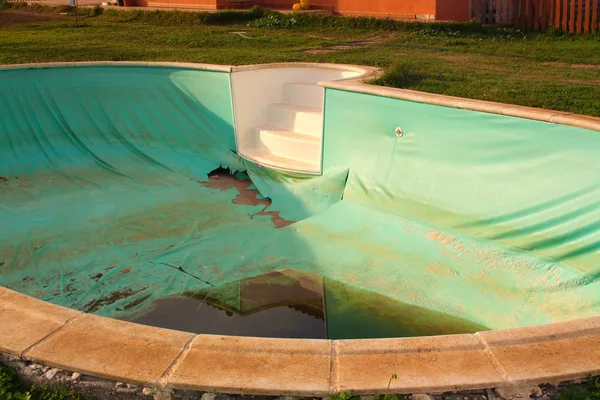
358	85
166	360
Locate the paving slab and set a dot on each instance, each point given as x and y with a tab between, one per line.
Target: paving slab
548	353
423	365
241	365
111	349
25	321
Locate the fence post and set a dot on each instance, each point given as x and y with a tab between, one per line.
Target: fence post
572	17
586	24
579	16
594	16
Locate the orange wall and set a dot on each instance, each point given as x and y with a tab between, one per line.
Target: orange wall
200	4
455	10
289	3
452	10
396	8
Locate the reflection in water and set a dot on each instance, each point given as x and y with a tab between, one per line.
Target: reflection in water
359	314
297	304
192	315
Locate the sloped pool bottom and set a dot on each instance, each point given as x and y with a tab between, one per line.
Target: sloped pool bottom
126	242
140	260
298	304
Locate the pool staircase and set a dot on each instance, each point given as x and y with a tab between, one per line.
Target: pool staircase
291	138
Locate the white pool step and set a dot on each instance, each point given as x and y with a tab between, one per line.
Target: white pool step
288	144
295	118
264	157
303	94
290	135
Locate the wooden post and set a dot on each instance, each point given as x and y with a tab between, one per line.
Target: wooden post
565	15
579	16
557	14
594	16
572	17
588	12
544	15
483	4
521	15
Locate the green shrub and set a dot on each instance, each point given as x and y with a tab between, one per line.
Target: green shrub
274	21
5	5
589	391
12	389
401	75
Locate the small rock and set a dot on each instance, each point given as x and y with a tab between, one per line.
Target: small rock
51	373
190	395
208	396
420	397
75	376
45	368
490	394
119	384
147	391
35	366
131	386
125	390
536	391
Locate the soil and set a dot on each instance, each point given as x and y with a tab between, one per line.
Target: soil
223	180
13	17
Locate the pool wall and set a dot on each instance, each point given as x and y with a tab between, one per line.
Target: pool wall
532	185
147	110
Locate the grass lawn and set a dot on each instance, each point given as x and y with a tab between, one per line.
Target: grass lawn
553	70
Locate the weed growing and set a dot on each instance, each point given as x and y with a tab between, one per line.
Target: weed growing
12	389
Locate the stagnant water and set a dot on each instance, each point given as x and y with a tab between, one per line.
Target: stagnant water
297	304
292	303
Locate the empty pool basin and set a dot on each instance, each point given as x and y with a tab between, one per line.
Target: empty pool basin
217	199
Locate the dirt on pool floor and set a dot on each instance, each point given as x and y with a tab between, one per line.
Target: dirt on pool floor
222	179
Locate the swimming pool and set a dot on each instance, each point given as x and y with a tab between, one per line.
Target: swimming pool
106	204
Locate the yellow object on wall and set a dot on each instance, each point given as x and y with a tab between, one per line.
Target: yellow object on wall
303	5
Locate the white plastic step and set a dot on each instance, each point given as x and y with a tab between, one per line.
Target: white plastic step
289	144
303	94
264	157
300	119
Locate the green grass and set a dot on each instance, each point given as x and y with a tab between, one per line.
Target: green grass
504	64
589	391
12	389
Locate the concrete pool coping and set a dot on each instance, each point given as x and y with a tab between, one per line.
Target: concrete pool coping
166	359
356	84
